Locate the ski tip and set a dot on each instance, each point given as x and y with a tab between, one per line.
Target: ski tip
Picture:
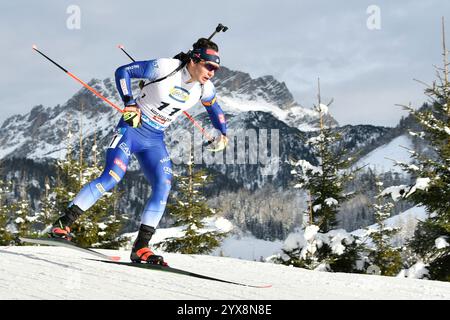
34	47
120	46
264	286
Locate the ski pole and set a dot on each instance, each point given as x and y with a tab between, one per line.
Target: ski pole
123	50
195	123
80	81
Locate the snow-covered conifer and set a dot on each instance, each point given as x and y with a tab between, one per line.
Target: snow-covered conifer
382	254
432	176
189	210
324	183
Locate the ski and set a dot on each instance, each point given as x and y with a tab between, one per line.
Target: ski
115	260
178	271
67	244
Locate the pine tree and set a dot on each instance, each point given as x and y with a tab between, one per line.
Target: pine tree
325	182
22	215
383	255
16	216
317	244
190	210
432	175
5	235
47	213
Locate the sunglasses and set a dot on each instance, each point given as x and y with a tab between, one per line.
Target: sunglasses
211	67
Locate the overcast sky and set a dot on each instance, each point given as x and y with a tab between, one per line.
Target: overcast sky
367	70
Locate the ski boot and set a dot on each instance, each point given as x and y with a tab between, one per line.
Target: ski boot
60	228
141	252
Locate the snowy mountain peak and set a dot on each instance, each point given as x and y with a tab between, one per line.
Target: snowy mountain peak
267	88
41	133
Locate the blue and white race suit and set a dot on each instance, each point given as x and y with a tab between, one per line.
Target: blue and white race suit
160	103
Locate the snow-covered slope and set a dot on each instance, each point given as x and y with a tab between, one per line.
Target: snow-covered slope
381	159
247	247
235	245
60	273
405	221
